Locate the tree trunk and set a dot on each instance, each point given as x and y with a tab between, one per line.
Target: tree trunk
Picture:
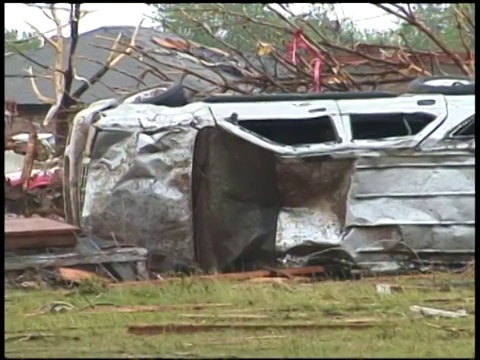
62	128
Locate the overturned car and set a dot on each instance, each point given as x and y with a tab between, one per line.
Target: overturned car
372	180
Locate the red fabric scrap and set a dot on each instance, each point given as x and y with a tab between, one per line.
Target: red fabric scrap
300	43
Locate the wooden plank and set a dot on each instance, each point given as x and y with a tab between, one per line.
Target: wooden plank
36	226
192	328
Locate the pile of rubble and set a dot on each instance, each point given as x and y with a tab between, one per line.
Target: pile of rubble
36	235
33	176
61	255
52	247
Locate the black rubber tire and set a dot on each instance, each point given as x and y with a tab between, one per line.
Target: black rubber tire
419	86
174	96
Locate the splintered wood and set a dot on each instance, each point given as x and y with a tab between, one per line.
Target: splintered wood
240	276
77	276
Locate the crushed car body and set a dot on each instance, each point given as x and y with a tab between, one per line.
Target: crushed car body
379	181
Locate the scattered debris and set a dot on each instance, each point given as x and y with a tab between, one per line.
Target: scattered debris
30	285
426	311
77	276
97	308
449	300
33	176
157	308
241	276
225	316
279	280
239	341
449	329
124	255
30	337
88	260
57	307
384	288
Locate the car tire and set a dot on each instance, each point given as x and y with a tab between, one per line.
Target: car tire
420	86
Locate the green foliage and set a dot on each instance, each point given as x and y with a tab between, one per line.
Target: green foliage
346	32
441	20
230	21
233	22
21	41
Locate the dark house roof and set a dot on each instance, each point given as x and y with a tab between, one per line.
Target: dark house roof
92	52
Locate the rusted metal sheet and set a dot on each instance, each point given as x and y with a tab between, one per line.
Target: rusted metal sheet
34	233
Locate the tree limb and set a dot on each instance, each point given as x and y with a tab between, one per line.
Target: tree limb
412	20
113	58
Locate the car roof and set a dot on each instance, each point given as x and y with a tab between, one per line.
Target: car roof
296	96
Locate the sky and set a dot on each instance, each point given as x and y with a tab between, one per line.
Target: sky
17	15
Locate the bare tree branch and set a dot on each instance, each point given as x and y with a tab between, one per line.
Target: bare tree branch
113	58
37	92
412	19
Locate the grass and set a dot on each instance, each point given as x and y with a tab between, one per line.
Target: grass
93	326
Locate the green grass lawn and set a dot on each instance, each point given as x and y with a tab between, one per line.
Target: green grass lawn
337	319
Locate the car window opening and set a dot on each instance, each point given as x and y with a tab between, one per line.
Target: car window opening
467	130
379	126
294	131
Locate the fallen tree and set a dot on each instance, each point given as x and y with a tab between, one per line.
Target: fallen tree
311	52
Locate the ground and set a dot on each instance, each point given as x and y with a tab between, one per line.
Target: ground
334	319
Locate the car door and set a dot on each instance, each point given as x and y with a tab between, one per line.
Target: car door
399	122
458	131
288	128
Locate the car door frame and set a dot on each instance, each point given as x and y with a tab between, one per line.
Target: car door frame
280	110
403	104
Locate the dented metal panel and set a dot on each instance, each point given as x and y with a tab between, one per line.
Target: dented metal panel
138	183
313	195
408	194
422	203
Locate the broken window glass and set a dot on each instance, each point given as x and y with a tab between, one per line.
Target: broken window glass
379	126
467	130
294	131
